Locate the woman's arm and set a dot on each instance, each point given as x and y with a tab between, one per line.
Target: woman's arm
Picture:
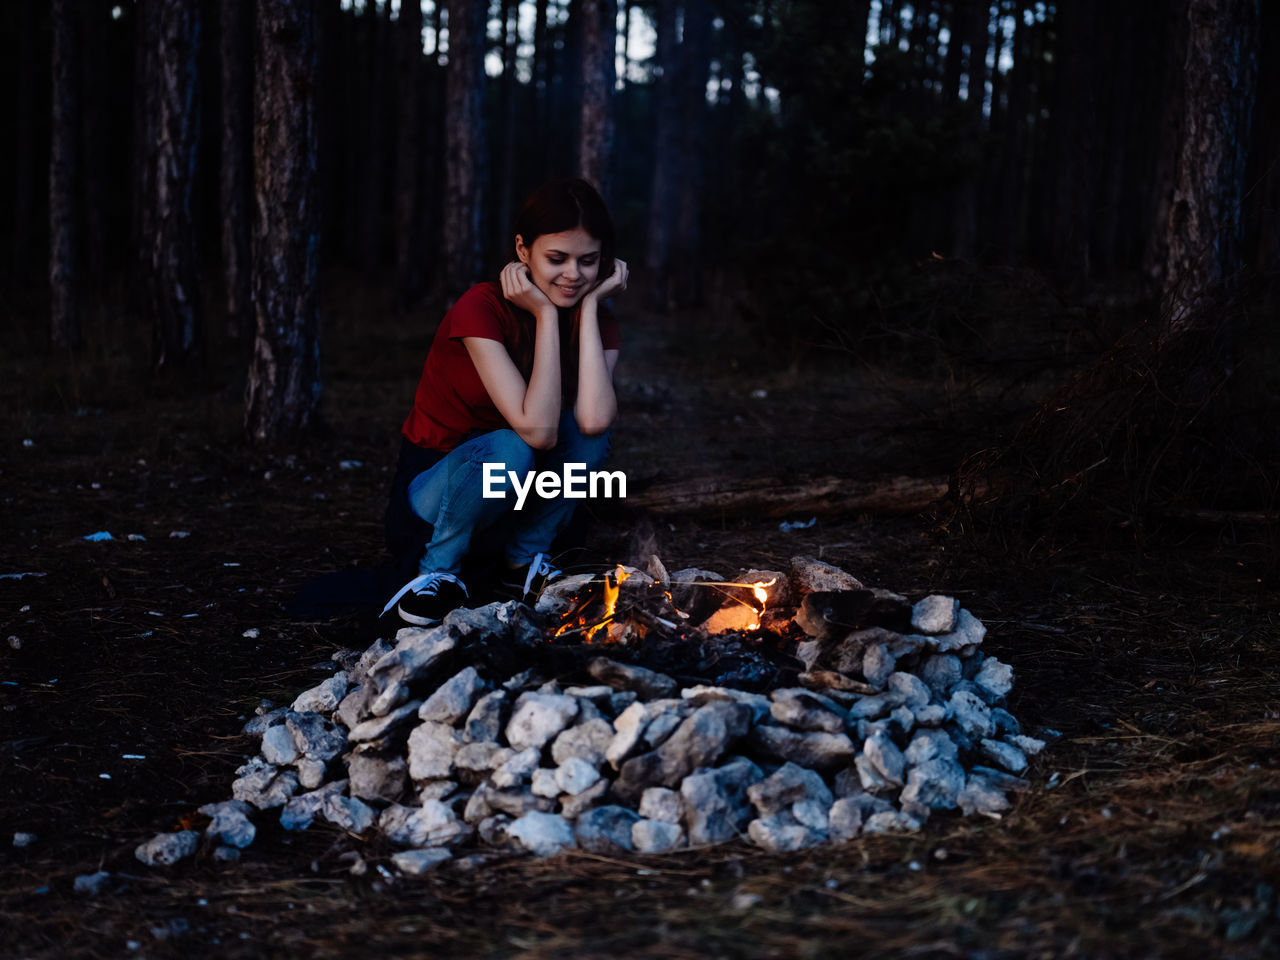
533	408
596	404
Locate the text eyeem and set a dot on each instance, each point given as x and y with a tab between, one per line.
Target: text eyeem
575	483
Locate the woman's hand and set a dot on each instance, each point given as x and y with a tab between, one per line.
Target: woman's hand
615	283
519	288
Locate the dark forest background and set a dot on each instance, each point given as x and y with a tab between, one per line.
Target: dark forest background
847	179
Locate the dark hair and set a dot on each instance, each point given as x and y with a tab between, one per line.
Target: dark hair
565	204
555	207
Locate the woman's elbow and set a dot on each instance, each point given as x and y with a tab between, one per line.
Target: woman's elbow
540	439
593	426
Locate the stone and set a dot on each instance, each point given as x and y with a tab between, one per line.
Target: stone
902	720
715	801
493	830
417	653
265	721
940	673
995	677
606	830
416	862
484	722
812	814
1028	745
661	727
356	706
1006	755
788	785
359	674
808	575
844	821
930	715
1006	723
935	784
598	694
970	714
226	854
22	838
619	700
544	784
629	726
846	782
660	803
968	631
517	769
575	775
872	780
375	728
573	805
454	698
877	665
558	596
477	807
324	697
316	737
165	849
538	717
588	741
542	834
520	623
929	745
876	705
981	796
278	746
229	822
819	751
700	741
481	756
373	776
310	773
432	747
913	691
647	684
935	614
781	834
885	758
434	824
516	802
802	709
656	836
891	821
302	809
348	813
264	785
998	778
92	884
436	790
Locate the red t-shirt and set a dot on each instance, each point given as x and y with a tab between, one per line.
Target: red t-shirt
451	400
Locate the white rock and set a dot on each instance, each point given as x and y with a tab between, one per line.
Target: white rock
995	677
877	665
23	839
377	727
167	848
656	836
542	834
812	814
544	783
970	714
92	883
885	757
781	834
606	830
434	824
703	694
432	747
517	769
808	575
278	746
229	823
538	717
1007	755
935	614
844	821
940	673
893	821
454	698
912	690
1028	745
927	745
589	740
264	785
630	726
660	803
576	775
302	809
310	773
980	796
349	813
324	697
415	862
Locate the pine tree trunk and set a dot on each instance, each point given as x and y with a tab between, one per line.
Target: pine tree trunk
965	244
541	76
695	68
236	171
1266	125
172	288
1156	253
369	186
410	166
64	272
284	377
595	141
96	83
667	160
1220	71
510	89
1074	120
1013	161
466	154
24	146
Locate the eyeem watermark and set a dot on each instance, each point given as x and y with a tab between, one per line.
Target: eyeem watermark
575	483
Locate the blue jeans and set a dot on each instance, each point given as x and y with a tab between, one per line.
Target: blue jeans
449	495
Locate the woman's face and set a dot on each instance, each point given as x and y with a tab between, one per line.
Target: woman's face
564	266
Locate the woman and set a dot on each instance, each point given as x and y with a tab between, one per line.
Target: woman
520	374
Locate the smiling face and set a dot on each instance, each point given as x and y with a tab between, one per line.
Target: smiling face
564	266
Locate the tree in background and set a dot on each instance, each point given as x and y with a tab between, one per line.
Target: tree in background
236	163
284	377
64	208
595	142
466	150
410	176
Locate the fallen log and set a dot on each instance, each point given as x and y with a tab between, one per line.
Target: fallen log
771	497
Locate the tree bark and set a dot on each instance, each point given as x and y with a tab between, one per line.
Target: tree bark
24	166
284	377
595	141
1156	253
368	186
695	67
236	171
466	153
171	268
510	89
410	163
64	168
1203	228
965	243
667	159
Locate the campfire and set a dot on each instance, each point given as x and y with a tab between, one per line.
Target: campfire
637	710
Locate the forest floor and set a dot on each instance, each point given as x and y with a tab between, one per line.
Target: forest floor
1152	827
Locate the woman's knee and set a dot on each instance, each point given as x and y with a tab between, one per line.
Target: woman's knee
506	447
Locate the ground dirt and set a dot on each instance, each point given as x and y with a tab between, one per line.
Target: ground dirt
1151	828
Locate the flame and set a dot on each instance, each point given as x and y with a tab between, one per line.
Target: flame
612	587
762	596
